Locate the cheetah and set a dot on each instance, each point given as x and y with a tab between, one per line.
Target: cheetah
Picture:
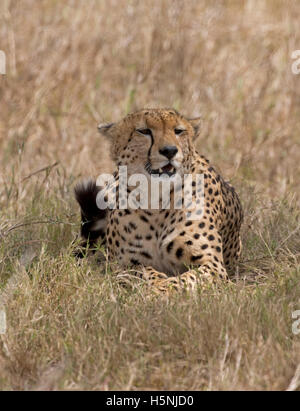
163	246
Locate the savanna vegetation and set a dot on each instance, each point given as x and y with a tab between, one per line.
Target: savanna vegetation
72	64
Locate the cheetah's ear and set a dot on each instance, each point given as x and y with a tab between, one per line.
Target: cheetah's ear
104	128
196	123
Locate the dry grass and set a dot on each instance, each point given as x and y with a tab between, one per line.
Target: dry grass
74	63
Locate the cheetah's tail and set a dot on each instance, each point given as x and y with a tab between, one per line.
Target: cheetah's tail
93	220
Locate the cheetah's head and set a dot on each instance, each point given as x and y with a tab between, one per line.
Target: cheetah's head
153	141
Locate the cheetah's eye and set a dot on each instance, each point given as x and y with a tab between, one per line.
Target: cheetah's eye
178	131
145	131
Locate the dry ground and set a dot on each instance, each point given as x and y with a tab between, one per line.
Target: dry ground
71	64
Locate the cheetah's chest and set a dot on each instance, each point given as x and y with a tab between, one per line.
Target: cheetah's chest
138	238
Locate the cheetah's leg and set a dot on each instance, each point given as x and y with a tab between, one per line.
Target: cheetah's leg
204	276
161	283
148	274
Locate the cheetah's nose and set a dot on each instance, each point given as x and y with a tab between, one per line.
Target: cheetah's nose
169	151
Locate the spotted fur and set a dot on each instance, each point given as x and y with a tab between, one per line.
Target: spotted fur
163	246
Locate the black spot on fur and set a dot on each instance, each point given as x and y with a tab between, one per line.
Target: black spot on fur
170	246
145	254
196	258
179	252
134	262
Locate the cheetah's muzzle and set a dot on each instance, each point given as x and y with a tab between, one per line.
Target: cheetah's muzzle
168	169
